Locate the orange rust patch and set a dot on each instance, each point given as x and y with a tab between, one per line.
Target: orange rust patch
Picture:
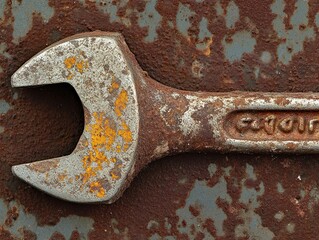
102	138
114	176
74	63
126	135
61	177
81	65
98	189
114	86
103	135
121	102
69	62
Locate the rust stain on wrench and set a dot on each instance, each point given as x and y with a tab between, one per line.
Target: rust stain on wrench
130	119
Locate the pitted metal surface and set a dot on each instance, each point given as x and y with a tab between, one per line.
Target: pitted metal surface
103	163
97	69
190	45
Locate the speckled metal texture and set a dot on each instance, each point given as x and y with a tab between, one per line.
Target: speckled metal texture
101	75
203	45
100	67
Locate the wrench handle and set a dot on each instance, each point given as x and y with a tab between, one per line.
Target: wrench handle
239	121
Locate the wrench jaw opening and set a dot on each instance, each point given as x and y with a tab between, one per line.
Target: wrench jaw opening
99	167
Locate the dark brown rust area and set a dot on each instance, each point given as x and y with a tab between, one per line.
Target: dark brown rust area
46	122
273	125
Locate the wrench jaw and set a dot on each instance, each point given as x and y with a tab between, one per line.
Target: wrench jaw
98	169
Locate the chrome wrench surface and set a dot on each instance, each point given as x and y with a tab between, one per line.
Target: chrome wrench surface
131	120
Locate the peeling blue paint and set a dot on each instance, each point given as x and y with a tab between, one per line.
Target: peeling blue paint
111	8
23	13
317	19
242	42
15	96
204	198
2	8
122	233
212	168
295	37
251	227
3	51
4	107
265	57
26	221
232	15
256	72
183	19
151	19
219	9
154	225
280	188
290	228
279	216
204	33
313	199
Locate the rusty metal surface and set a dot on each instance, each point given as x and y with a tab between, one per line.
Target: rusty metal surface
116	95
191	45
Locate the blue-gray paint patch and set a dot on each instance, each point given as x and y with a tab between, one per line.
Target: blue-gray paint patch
280	188
313	199
212	168
183	19
204	37
279	216
4	107
1	129
23	15
232	15
251	227
294	37
241	43
154	225
3	51
317	19
265	57
26	221
257	72
111	8
219	9
15	96
204	199
2	8
122	233
290	228
151	19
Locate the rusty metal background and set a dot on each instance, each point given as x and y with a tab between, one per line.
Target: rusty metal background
219	45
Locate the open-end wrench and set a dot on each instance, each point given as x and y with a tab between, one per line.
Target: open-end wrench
130	119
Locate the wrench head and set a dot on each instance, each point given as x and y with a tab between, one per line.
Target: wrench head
99	68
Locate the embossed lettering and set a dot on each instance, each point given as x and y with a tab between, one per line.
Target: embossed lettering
286	124
312	124
273	125
270	122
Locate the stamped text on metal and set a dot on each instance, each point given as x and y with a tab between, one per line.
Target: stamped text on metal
273	125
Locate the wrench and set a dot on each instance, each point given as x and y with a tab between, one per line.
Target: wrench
131	120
